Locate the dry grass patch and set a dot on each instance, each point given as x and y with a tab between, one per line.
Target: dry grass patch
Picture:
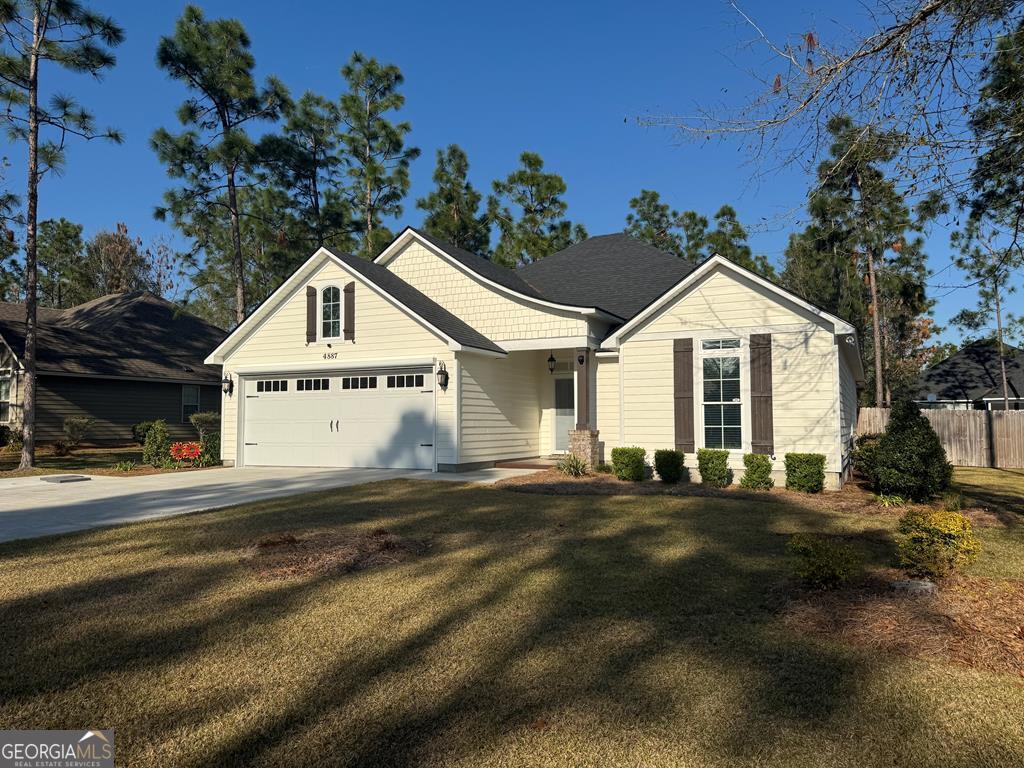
285	555
973	622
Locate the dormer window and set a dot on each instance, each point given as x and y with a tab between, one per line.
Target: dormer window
330	312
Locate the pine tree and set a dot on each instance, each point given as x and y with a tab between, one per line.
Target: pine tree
656	223
59	258
729	239
75	39
539	229
377	157
453	205
214	156
861	257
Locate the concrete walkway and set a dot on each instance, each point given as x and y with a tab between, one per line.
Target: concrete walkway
31	506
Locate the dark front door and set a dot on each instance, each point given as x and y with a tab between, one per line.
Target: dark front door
565	412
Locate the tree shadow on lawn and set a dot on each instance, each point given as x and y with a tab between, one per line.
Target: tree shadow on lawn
537	624
1001	491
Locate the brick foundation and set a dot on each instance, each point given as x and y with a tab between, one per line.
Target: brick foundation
584	443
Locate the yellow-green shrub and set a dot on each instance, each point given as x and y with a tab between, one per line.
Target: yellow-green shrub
936	543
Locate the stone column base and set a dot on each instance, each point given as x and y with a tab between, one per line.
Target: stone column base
584	444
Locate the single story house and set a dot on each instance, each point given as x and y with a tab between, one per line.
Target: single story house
432	357
971	379
119	359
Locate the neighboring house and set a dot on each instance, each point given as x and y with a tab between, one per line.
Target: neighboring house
119	360
433	357
971	379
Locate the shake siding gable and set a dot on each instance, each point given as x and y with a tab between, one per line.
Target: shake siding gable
495	314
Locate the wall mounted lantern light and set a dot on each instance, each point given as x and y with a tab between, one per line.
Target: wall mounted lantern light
551	363
227	385
442	376
580	358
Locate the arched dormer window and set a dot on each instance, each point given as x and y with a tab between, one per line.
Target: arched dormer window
330	312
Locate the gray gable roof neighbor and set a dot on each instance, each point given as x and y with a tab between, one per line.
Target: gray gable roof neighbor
426	308
617	273
972	373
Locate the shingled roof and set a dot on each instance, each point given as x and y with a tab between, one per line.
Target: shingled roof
126	335
972	373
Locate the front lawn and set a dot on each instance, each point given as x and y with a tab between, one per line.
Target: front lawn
90	460
424	623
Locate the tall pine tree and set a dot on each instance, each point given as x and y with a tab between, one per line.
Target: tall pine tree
214	156
378	160
60	254
453	206
528	209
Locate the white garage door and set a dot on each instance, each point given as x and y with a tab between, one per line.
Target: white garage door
357	419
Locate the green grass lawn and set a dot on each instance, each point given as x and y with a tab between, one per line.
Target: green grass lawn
534	630
82	460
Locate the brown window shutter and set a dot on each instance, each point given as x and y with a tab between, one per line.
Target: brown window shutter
682	380
762	437
350	312
310	314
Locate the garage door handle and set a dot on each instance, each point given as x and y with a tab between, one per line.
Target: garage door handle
426	445
331	425
252	443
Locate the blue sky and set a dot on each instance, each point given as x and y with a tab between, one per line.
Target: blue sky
566	80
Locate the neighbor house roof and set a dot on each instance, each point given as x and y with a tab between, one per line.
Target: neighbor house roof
973	373
126	335
617	273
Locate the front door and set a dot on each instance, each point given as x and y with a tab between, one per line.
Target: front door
565	413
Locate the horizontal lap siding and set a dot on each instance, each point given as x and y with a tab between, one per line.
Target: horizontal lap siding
383	331
607	401
500	407
491	312
803	367
115	406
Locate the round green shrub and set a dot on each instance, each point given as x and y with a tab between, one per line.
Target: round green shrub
935	543
670	466
628	463
805	472
156	450
140	430
910	461
823	562
757	473
865	455
713	466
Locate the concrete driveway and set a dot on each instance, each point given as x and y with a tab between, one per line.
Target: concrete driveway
30	506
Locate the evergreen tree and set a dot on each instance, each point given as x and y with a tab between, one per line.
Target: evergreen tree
656	223
861	257
453	206
304	161
729	239
539	229
214	156
76	39
376	154
59	257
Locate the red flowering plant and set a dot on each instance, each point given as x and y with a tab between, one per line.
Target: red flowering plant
185	452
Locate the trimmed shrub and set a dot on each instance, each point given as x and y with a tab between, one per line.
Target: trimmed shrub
628	463
864	454
936	543
5	435
604	468
823	562
805	472
209	456
156	451
61	447
670	466
140	430
572	465
757	474
910	461
75	430
714	469
14	442
205	422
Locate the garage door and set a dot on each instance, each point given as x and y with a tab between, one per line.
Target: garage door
351	419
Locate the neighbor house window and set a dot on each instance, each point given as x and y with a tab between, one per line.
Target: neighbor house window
722	403
330	312
189	401
5	396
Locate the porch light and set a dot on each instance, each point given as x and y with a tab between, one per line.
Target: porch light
551	363
442	376
227	385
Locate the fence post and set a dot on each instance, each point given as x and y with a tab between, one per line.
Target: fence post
993	461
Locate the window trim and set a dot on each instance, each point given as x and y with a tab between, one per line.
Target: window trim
320	312
198	403
743	353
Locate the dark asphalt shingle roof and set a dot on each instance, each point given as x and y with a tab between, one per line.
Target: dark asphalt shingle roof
127	335
972	373
410	297
617	273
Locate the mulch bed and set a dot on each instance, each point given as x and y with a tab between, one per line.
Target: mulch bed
285	555
973	622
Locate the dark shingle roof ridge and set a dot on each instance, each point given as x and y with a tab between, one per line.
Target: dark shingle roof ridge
422	305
